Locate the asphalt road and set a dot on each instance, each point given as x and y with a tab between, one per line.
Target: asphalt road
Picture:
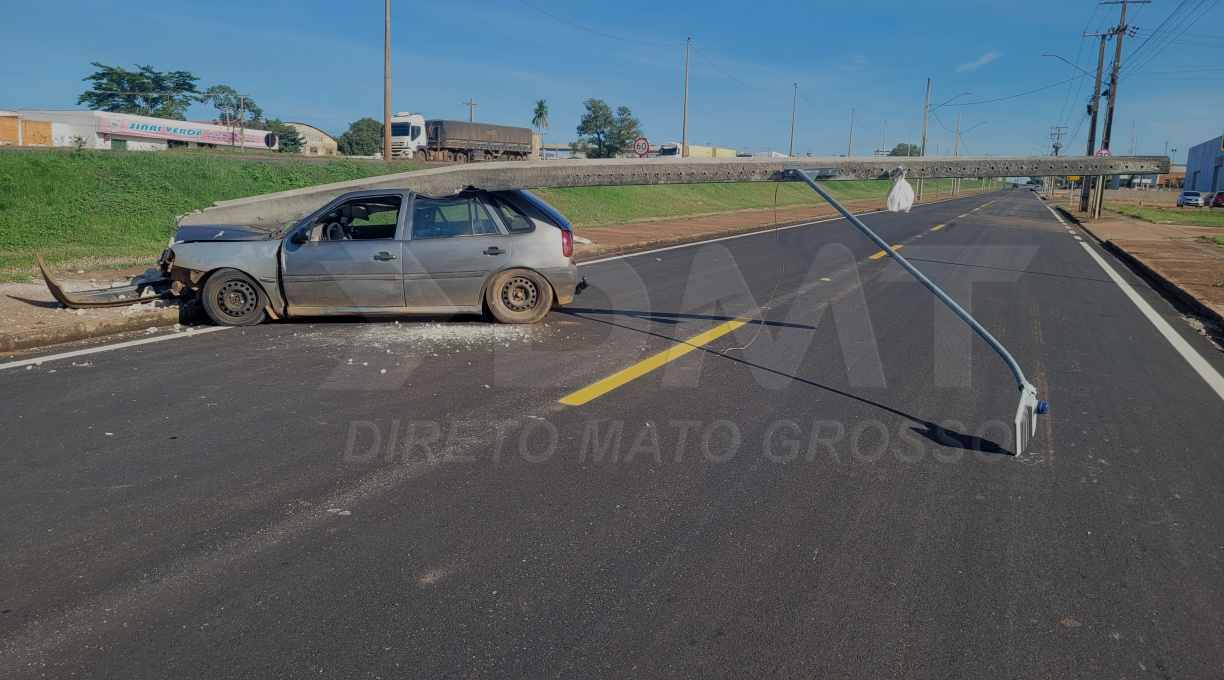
838	499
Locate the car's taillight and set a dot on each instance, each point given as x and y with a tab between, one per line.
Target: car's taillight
567	243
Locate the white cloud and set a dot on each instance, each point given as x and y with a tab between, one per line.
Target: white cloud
979	62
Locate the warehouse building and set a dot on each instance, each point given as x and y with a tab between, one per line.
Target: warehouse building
316	142
1204	164
106	130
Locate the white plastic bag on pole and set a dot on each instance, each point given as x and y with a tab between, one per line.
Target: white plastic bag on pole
900	194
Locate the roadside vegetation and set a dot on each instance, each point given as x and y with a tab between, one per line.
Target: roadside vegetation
1190	217
1214	240
97	208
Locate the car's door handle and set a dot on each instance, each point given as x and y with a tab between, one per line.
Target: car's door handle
385	256
494	251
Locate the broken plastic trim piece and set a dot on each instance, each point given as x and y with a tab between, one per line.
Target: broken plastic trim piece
105	297
1030	407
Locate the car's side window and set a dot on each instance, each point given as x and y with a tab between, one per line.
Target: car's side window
515	220
451	217
359	219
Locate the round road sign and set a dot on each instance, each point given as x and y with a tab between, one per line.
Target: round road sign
1104	152
641	147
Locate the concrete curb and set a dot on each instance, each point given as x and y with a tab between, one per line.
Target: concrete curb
1172	288
55	335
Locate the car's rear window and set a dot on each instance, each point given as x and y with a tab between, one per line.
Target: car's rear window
516	222
549	211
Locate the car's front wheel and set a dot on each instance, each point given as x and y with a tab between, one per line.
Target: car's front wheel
519	296
231	298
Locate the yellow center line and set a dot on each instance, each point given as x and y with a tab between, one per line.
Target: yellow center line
938	227
883	253
640	369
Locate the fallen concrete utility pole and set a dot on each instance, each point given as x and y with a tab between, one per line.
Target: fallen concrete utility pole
278	210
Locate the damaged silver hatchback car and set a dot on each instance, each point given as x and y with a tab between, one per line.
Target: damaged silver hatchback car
373	253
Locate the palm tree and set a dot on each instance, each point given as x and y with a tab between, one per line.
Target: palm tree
540	119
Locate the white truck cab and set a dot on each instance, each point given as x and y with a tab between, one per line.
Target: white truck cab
407	134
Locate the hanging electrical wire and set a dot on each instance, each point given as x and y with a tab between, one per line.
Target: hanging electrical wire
1021	94
813	106
716	67
591	30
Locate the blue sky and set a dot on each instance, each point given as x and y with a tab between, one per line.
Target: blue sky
320	62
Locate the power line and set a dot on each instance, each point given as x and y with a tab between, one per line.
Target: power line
754	87
1013	96
809	103
591	30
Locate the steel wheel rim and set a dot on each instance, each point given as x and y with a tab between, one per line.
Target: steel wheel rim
520	294
237	299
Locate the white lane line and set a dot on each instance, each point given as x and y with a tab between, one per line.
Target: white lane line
107	348
1196	361
1078	238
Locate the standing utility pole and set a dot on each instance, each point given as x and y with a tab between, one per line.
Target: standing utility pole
794	104
387	80
688	44
956	152
471	104
885	138
1119	32
1092	109
242	123
851	144
926	109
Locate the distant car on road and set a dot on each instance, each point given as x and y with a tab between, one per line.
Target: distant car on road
1190	198
1217	201
372	253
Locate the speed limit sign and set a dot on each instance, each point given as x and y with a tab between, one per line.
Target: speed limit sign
1103	152
641	147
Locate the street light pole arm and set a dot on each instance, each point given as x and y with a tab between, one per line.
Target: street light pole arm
1047	54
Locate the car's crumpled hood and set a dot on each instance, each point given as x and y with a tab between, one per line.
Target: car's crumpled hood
204	232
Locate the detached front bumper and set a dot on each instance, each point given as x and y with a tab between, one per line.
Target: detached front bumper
120	296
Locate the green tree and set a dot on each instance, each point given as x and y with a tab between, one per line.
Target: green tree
144	92
904	149
539	117
230	105
364	138
602	135
290	139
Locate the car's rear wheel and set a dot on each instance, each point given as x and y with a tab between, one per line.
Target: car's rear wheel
231	298
519	296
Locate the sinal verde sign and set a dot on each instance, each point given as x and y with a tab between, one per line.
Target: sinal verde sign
186	132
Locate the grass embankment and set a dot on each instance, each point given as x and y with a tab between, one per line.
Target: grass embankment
1190	217
599	206
99	208
1215	240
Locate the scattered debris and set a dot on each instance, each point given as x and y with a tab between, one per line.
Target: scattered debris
1208	329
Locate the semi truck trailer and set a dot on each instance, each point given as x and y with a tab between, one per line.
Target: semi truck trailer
458	141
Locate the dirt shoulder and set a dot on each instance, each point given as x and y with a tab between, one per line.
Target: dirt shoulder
1173	255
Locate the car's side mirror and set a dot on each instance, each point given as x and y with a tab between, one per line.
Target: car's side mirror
299	237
